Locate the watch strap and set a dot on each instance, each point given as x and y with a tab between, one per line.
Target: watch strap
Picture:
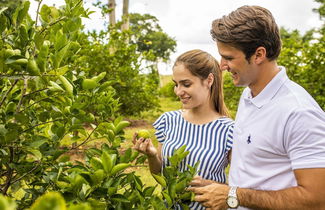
233	192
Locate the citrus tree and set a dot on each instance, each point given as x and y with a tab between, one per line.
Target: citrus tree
43	100
51	107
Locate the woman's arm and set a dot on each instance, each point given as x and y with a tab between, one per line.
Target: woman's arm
146	147
155	162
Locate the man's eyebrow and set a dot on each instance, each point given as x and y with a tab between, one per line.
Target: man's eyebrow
226	56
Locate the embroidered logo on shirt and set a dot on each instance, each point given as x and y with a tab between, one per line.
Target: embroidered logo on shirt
249	139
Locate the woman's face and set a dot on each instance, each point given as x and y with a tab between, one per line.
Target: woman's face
191	90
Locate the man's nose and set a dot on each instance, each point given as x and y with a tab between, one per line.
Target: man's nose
223	65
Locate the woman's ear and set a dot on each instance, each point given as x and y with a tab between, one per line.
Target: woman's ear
210	80
260	55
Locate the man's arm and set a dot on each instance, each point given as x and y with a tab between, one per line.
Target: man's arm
309	194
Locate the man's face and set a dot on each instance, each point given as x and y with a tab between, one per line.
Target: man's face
233	60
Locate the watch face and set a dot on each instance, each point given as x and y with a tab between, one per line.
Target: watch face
232	202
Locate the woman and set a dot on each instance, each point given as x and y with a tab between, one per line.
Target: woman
202	125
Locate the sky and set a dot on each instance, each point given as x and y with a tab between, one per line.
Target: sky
189	21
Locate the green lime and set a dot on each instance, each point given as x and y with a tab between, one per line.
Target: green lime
143	133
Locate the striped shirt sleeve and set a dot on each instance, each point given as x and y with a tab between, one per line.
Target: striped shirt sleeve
229	140
160	126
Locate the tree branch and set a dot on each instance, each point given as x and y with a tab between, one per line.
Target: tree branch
25	174
22	95
37	11
36	91
40	125
53	23
6	94
10	172
85	141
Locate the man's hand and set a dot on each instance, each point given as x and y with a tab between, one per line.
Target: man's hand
213	196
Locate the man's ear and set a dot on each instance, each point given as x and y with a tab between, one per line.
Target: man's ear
260	55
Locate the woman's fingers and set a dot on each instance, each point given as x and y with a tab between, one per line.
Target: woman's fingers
140	145
138	142
134	139
144	146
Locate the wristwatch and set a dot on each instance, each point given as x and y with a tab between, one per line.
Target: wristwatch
232	200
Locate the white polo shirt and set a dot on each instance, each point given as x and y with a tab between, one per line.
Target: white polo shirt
276	132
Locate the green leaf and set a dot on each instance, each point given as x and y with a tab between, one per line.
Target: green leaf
22	118
148	191
66	84
44	13
11	135
172	189
54	87
181	185
125	158
3	9
119	167
23	12
80	206
180	150
160	179
37	143
138	182
3	25
72	25
60	41
174	160
59	55
98	176
49	201
7	203
60	132
37	155
3	130
119	198
23	35
96	163
141	159
167	198
107	162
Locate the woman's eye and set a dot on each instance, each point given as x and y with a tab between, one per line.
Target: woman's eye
187	85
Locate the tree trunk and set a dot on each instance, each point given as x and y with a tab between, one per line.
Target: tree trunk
125	15
111	6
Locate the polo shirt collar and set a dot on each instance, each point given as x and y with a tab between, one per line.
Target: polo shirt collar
269	90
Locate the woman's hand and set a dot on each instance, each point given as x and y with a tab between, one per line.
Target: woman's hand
144	146
198	181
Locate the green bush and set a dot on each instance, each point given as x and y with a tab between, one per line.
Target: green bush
168	91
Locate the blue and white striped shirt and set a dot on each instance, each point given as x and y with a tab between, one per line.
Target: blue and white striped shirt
208	143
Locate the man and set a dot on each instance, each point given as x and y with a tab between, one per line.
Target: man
278	155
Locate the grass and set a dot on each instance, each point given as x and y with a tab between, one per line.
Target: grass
164	79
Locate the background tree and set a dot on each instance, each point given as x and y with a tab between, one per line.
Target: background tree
12	5
130	59
303	56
